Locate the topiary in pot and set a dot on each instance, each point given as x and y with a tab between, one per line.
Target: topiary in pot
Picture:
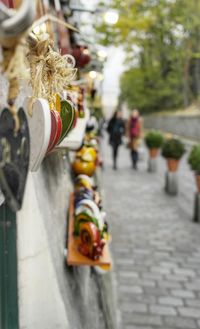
194	162
154	140
173	150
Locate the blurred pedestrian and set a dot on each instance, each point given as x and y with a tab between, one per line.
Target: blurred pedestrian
116	130
134	132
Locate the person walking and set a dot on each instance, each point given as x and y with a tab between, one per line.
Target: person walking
134	131
116	130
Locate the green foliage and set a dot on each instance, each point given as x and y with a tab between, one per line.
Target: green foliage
154	139
161	41
173	149
194	158
147	90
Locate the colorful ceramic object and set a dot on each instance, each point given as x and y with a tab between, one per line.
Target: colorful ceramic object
85	216
83	193
90	226
87	154
91	244
83	167
89	205
85	161
83	178
14	157
84	181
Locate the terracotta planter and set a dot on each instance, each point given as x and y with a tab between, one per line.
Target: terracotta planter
153	152
198	182
172	164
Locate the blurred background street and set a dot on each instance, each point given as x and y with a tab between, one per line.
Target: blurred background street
155	246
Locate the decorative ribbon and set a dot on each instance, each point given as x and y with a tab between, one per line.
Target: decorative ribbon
50	71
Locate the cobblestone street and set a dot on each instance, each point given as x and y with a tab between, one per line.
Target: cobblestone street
155	246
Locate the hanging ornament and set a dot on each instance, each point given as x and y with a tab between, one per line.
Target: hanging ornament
56	130
14	157
68	116
50	74
40	130
14	131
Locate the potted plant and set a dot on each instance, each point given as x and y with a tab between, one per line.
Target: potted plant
154	141
194	162
173	150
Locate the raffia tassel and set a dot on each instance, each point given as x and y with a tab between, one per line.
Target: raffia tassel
50	71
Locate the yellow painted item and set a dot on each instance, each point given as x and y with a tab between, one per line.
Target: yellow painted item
87	154
51	106
83	183
58	103
85	162
83	167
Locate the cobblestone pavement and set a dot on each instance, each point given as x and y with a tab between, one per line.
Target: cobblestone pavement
156	246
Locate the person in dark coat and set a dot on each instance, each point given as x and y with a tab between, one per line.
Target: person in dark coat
116	130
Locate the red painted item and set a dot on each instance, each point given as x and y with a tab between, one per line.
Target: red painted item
75	119
8	3
91	243
81	58
56	129
53	131
11	4
59	129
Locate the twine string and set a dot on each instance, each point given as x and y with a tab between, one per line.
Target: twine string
50	71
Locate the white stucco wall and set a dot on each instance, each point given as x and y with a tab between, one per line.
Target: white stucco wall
40	303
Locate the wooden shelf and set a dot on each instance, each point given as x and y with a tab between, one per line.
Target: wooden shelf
74	257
